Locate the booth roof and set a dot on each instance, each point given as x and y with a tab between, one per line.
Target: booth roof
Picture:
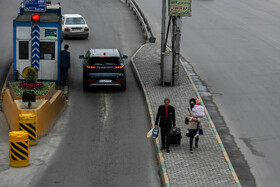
44	17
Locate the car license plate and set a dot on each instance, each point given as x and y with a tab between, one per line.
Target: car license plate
76	30
105	81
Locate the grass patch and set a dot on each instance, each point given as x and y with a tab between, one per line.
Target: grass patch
39	91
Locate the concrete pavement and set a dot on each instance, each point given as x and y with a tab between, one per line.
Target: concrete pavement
209	165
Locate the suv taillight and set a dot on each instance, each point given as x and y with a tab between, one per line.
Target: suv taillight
86	29
66	29
119	67
90	67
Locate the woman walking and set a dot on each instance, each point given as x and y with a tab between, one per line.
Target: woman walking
192	125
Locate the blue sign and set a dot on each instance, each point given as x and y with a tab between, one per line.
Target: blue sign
35	59
34	5
51	33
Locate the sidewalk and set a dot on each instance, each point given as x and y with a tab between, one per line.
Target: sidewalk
209	164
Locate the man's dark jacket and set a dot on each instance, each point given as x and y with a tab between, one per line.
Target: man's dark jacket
64	59
166	122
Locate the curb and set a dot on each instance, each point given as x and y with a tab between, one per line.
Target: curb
159	155
213	128
5	85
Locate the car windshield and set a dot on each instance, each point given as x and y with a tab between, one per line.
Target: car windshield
74	21
104	60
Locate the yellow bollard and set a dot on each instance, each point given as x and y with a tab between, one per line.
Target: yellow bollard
19	148
27	122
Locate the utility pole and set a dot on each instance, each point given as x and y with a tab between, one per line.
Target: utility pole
163	47
177	23
170	61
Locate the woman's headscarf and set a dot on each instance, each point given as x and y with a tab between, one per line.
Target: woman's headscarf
192	100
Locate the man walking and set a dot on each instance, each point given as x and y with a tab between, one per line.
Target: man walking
64	64
166	119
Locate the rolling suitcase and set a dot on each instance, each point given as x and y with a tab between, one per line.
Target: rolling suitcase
175	136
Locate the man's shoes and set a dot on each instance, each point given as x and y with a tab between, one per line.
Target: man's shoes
167	150
162	148
191	151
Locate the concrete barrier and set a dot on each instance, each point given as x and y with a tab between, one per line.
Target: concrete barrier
46	111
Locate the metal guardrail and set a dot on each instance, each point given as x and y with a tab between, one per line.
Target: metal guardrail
141	17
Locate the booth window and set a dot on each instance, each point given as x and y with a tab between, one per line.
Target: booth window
23	50
47	50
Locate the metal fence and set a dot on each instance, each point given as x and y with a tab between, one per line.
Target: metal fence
143	21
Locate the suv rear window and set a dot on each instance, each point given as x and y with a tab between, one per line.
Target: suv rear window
104	60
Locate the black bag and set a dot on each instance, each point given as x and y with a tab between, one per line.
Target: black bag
175	136
186	121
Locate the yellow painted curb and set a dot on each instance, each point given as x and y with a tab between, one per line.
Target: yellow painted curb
164	174
235	177
160	157
226	156
218	139
166	179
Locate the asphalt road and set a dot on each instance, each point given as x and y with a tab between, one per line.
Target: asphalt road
106	144
234	47
100	139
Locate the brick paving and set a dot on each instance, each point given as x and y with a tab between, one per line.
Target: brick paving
206	166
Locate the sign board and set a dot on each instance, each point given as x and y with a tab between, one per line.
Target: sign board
34	5
180	8
51	33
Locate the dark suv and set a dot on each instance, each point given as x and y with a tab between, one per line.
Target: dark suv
103	67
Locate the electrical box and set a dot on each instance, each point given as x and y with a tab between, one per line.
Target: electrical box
167	69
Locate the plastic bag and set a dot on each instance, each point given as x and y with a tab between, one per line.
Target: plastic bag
188	133
150	133
155	132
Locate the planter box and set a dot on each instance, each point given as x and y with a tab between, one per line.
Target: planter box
47	96
46	112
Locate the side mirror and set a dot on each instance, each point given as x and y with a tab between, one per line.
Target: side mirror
81	57
124	57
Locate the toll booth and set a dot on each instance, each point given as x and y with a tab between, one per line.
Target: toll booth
37	42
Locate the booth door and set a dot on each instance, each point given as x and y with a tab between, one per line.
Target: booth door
23	56
48	60
23	49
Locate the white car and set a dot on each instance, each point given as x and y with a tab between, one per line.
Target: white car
74	25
